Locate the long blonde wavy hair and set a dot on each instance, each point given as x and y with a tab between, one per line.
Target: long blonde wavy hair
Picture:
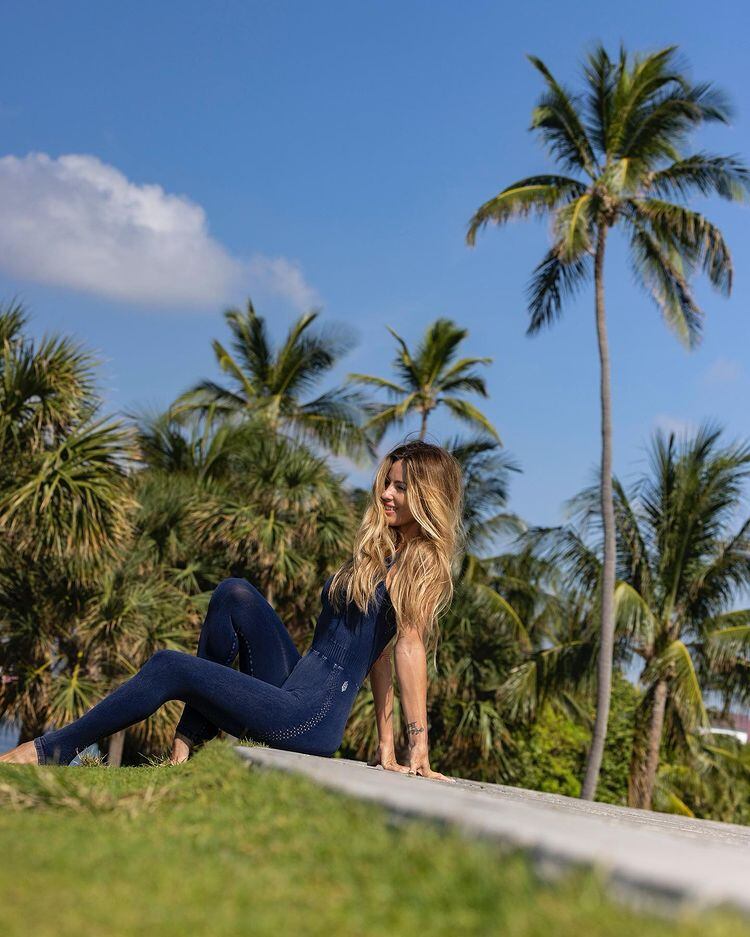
422	585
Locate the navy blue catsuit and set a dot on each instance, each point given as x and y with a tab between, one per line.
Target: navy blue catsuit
296	702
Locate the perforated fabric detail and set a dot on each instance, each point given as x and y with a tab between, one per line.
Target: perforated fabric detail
305	726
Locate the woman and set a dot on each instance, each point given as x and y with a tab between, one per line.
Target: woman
410	534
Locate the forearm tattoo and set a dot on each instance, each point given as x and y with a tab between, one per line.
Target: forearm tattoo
414	728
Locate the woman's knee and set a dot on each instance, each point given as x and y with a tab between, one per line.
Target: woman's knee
168	674
166	658
233	589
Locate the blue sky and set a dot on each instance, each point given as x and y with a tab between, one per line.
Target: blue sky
331	154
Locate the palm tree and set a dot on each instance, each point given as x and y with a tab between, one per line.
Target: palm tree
624	139
269	384
138	607
186	459
64	515
45	387
283	516
680	567
60	490
713	783
427	379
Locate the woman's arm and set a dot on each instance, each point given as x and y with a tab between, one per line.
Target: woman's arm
381	682
411	671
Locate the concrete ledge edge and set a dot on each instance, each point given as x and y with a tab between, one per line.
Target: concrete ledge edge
644	859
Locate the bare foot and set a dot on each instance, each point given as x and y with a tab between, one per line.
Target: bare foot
180	751
24	754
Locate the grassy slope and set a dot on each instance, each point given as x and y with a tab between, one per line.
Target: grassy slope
213	848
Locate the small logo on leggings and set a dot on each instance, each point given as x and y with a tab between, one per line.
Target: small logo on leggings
344	685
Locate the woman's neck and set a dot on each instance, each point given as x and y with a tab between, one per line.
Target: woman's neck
408	531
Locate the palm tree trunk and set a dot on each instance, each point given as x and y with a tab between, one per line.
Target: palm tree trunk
115	749
607	627
637	769
29	730
643	777
423	431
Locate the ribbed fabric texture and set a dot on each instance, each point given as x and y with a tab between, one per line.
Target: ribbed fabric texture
345	654
338	653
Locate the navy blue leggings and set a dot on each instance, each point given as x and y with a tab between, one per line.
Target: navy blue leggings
249	702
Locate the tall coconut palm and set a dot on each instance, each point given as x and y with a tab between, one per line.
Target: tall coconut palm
427	379
270	383
624	138
681	566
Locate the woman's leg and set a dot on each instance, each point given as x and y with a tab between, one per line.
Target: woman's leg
233	701
239	619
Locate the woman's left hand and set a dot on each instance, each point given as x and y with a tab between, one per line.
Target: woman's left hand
419	764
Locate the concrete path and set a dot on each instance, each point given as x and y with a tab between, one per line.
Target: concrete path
649	859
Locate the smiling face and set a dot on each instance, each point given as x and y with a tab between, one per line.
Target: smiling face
393	497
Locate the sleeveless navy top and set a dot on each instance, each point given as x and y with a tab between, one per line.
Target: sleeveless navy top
351	638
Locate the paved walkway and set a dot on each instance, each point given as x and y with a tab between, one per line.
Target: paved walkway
649	859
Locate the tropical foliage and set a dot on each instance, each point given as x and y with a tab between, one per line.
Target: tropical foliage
189	496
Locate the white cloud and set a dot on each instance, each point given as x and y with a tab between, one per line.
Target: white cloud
76	222
675	424
284	278
723	371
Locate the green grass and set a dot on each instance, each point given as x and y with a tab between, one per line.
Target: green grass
211	848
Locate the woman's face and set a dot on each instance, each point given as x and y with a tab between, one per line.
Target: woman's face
393	497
